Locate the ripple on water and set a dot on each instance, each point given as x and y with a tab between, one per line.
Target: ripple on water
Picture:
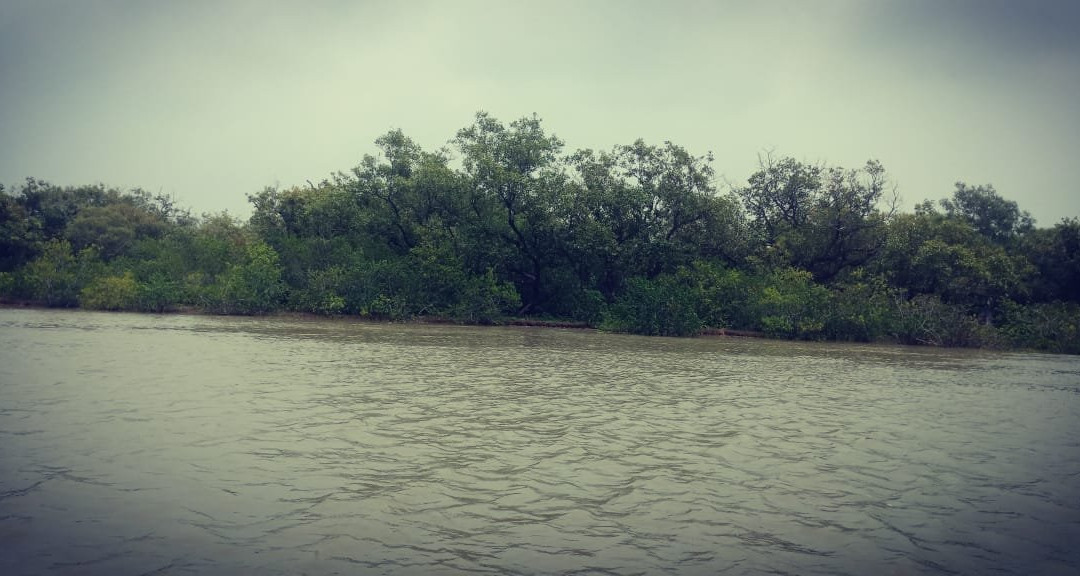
168	444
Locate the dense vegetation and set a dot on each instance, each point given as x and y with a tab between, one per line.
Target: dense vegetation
506	223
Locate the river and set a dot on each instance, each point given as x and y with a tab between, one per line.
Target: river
141	444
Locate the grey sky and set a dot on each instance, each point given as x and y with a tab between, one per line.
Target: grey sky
211	100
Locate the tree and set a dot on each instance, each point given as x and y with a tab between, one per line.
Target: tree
110	228
988	213
644	210
383	189
825	220
404	194
514	180
1055	253
931	253
18	242
780	195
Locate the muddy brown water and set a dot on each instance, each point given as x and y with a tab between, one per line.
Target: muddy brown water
140	444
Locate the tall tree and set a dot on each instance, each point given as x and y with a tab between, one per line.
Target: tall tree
514	175
1055	253
644	210
994	217
824	220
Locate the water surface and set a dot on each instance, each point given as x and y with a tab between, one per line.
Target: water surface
138	444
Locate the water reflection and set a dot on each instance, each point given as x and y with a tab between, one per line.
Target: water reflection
135	444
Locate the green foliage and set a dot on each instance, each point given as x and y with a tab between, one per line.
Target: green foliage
219	243
644	210
1052	327
1055	255
322	292
486	299
9	287
724	296
513	179
430	281
111	293
113	228
161	293
662	306
861	310
567	297
253	287
926	320
634	239
56	277
792	305
18	239
932	254
992	216
824	220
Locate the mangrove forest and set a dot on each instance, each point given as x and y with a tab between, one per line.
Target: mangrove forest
504	224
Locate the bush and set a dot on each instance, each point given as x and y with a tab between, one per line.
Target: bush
792	305
1052	327
486	299
723	295
926	320
9	286
428	281
860	310
56	277
160	294
322	292
565	296
659	307
254	287
111	293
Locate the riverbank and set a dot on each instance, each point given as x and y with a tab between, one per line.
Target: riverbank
434	320
988	337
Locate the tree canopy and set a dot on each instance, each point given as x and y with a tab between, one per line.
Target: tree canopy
505	222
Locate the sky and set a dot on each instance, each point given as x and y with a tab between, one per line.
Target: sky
208	101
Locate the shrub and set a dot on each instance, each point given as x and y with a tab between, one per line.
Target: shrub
659	307
160	294
254	287
1052	327
792	305
322	292
56	277
428	281
111	293
10	285
485	299
860	310
926	320
723	295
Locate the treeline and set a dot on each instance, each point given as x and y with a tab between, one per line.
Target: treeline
505	223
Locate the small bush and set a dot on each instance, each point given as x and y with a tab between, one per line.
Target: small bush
254	287
160	294
658	307
1052	327
57	276
926	320
860	311
792	305
322	293
111	293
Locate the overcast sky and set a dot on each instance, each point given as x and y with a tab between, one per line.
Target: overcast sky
212	100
